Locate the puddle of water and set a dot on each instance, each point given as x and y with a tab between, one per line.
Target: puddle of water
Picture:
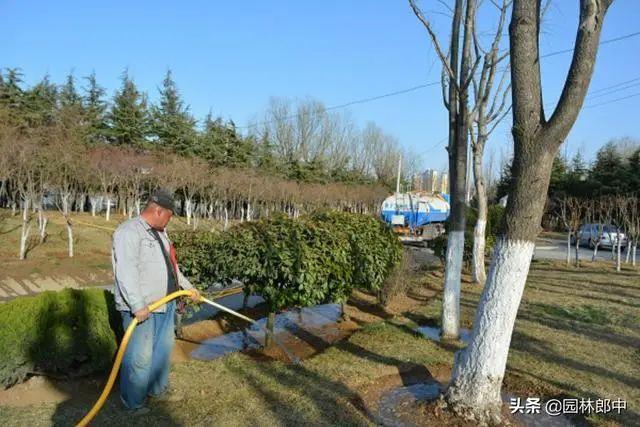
396	402
393	402
308	318
433	333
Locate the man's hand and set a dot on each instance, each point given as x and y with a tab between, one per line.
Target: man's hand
195	295
142	314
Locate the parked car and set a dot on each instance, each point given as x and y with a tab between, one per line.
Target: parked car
607	234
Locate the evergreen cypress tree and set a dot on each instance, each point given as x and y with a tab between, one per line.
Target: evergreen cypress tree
12	98
95	111
69	96
40	103
173	126
220	144
129	117
607	172
557	182
633	172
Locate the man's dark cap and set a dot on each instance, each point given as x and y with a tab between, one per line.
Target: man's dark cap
163	198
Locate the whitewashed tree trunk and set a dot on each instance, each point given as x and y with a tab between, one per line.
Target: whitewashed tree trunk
43	228
138	203
633	254
452	278
618	257
188	208
628	251
595	251
65	203
26	227
569	248
479	368
226	218
249	211
70	237
613	248
108	214
479	241
93	201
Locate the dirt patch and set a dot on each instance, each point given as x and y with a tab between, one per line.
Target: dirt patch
38	390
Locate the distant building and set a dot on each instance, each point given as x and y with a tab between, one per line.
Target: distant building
444	184
430	181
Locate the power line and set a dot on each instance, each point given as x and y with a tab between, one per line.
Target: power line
615	39
633	95
613	91
425	85
592	92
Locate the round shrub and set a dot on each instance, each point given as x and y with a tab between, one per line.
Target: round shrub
71	332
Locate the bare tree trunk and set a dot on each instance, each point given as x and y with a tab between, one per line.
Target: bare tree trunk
479	274
95	201
569	248
479	368
577	249
633	255
595	250
618	257
268	339
188	208
226	218
108	214
43	226
26	227
69	235
458	134
628	251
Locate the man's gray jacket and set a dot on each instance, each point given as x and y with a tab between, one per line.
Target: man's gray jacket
139	266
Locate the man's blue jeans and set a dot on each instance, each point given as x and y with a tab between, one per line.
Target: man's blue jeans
146	362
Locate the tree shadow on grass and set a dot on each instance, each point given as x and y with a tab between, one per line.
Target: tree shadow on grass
626	417
541	350
297	396
588	330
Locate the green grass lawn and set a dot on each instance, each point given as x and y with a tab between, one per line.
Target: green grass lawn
577	334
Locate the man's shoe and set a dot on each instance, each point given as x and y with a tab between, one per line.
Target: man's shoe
167	397
143	410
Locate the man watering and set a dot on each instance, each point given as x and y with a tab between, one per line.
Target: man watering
145	270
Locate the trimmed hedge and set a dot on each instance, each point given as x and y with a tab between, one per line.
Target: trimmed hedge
295	262
60	333
289	262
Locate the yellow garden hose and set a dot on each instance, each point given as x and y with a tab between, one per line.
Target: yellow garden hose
127	336
116	365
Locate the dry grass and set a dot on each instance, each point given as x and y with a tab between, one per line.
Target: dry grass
48	265
577	334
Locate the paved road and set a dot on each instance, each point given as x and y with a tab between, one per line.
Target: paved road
557	249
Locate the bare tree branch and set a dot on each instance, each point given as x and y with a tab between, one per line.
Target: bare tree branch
436	43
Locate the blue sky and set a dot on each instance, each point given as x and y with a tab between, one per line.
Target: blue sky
230	57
